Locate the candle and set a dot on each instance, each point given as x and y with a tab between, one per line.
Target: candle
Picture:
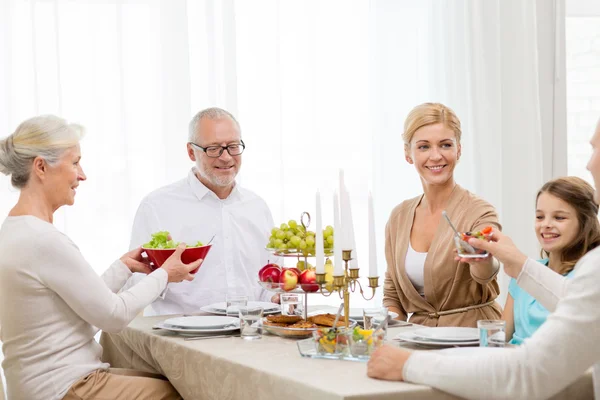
372	247
338	268
348	225
319	249
341	234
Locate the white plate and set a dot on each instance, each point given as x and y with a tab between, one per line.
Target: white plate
469	351
449	334
196	332
200	322
355	313
219	308
412	338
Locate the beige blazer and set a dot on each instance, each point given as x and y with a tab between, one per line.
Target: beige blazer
449	284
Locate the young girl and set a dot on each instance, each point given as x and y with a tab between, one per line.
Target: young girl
567	227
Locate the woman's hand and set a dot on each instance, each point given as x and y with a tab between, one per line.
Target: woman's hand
275	298
176	269
136	262
387	363
503	248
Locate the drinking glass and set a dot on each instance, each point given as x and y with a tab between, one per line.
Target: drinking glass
234	302
291	304
492	333
374	316
250	322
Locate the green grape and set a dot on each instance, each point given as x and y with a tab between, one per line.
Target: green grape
282	246
284	227
289	234
280	234
271	244
292	224
302	245
310	241
330	240
274	231
326	234
295	241
277	243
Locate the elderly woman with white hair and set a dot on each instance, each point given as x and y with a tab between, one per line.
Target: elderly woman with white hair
52	303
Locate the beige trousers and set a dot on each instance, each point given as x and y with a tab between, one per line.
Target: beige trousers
122	384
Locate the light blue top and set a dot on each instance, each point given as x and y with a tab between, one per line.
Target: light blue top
529	315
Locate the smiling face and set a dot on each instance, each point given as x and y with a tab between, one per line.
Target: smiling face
62	179
556	224
434	151
218	172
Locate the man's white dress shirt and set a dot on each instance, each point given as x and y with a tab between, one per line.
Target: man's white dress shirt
190	212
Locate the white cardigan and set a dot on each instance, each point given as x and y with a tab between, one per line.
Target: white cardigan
560	351
52	303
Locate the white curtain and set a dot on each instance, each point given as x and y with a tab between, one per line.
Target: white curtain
316	85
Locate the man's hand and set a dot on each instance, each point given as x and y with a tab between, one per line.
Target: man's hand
387	363
136	262
503	248
275	299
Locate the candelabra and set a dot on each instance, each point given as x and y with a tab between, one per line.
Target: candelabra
346	284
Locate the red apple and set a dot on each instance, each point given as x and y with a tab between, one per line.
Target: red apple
308	281
270	273
288	280
295	270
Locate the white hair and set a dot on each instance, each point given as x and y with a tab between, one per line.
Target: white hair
212	114
45	136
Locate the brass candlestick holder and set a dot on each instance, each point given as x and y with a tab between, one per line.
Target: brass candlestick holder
346	284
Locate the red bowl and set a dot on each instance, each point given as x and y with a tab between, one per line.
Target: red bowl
191	254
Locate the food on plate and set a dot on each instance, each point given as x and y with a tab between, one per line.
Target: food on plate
163	240
298	328
285	319
295	237
326	320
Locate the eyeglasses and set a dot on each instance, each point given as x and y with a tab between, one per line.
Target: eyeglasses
234	149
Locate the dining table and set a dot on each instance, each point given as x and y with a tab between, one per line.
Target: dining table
271	367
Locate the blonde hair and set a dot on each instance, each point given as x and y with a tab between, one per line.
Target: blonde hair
430	114
45	136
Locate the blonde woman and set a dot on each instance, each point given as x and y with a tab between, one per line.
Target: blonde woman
423	277
52	303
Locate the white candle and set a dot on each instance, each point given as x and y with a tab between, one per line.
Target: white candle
348	224
338	268
319	249
372	247
341	239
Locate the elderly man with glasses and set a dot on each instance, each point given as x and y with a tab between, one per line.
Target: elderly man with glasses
209	202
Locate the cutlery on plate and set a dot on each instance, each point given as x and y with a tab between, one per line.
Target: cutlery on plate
209	337
468	248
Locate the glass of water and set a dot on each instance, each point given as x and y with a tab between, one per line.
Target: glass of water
234	302
374	316
492	333
250	322
290	304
